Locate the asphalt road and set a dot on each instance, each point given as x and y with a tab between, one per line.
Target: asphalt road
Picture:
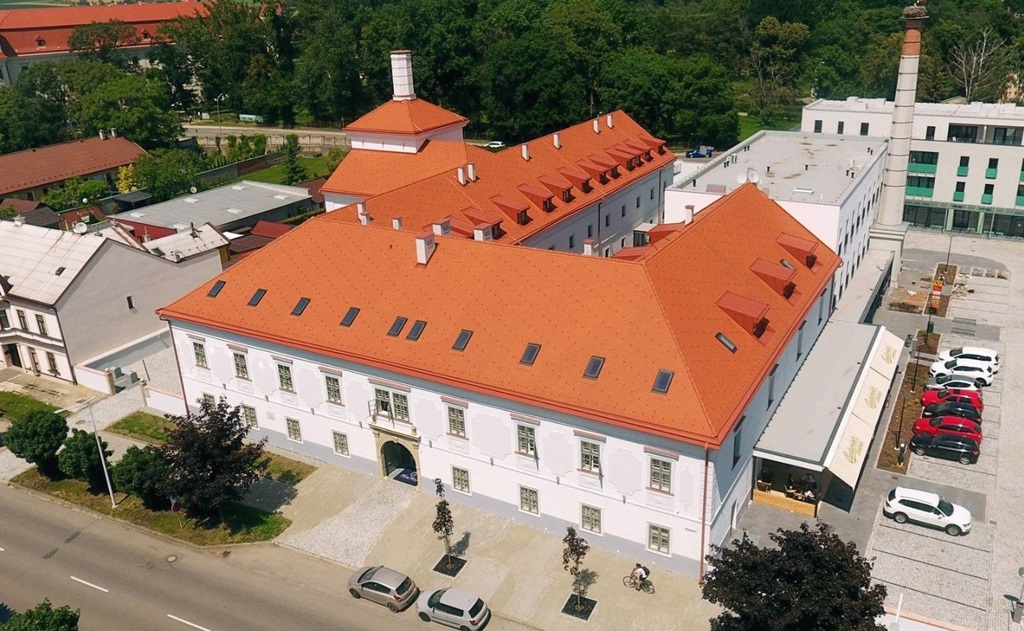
126	580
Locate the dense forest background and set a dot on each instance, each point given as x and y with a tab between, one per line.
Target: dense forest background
684	69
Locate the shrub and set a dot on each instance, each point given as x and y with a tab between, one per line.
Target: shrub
36	438
80	458
144	474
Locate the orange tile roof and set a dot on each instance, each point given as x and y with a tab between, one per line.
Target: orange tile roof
365	172
658	312
30	168
411	117
21	29
503	178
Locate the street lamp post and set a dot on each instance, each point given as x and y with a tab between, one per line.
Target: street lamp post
99	446
915	345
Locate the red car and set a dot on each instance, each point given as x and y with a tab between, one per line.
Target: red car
953	395
951	425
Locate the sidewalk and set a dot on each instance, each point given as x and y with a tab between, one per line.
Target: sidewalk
356	520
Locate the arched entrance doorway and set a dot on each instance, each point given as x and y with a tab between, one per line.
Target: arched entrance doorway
399	463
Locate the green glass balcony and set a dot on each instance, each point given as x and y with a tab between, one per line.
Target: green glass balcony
917	167
919	191
1022	176
1020	200
961	171
990	174
986	199
958	196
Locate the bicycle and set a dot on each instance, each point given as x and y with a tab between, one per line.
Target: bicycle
646	586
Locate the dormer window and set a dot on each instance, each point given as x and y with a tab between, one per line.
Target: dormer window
567	195
549	205
522	218
615	172
40	42
146	36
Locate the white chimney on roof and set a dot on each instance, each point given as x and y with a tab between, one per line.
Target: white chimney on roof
462	175
471	167
442	227
485	233
611	123
365	219
588	247
597	125
425	246
526	152
113	132
557	139
401	75
18	221
688	214
360	209
396	223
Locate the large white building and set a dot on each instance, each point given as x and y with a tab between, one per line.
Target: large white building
585	187
622	395
66	298
966	160
831	184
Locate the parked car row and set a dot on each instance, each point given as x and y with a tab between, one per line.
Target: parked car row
396	591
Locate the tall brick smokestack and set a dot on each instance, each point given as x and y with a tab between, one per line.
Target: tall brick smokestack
894	181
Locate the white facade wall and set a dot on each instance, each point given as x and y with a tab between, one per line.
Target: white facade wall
30	339
488	452
403	143
11	67
334	201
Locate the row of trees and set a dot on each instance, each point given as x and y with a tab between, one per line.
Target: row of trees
205	464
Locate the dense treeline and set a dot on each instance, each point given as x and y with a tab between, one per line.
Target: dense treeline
521	68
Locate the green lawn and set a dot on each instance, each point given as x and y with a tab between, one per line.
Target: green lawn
315	167
142	426
15	406
749	125
242	524
153	429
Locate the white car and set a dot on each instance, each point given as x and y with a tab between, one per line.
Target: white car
453	607
956	380
495	144
965	367
903	505
976	353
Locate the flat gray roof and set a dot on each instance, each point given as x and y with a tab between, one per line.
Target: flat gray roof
807	419
790	166
863	286
977	109
217	206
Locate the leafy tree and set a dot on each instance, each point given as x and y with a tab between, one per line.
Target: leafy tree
37	437
576	548
334	158
170	64
44	618
812	580
72	191
80	458
126	182
144	474
327	70
775	58
105	42
293	171
444	525
210	462
137	107
6	212
590	34
165	173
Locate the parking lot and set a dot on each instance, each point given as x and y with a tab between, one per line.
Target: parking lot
968	581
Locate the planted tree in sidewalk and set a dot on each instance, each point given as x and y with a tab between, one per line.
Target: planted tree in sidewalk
143	473
812	580
576	548
43	617
80	458
444	525
37	437
210	462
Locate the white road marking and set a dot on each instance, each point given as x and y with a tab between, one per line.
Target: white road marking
1	549
191	624
75	578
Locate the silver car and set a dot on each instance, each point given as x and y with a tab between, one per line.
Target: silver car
453	607
383	585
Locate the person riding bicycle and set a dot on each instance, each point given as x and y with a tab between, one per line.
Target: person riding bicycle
640	574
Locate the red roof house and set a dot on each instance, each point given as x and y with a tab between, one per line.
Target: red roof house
29	173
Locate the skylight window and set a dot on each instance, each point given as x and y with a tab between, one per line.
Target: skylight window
463	340
726	342
397	327
663	381
416	331
256	297
216	289
300	306
786	264
530	354
60	270
350	316
594	367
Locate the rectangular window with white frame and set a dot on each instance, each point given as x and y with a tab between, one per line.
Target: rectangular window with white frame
51	361
332	383
294	430
456	421
340	443
22	321
209	400
284	377
590	456
41	324
526	440
590	519
199	352
661	475
249	416
460	480
658	539
528	500
394	405
241	365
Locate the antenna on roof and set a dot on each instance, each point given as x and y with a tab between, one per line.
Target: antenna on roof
79	228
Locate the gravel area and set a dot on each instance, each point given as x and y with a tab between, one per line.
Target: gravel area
349	536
